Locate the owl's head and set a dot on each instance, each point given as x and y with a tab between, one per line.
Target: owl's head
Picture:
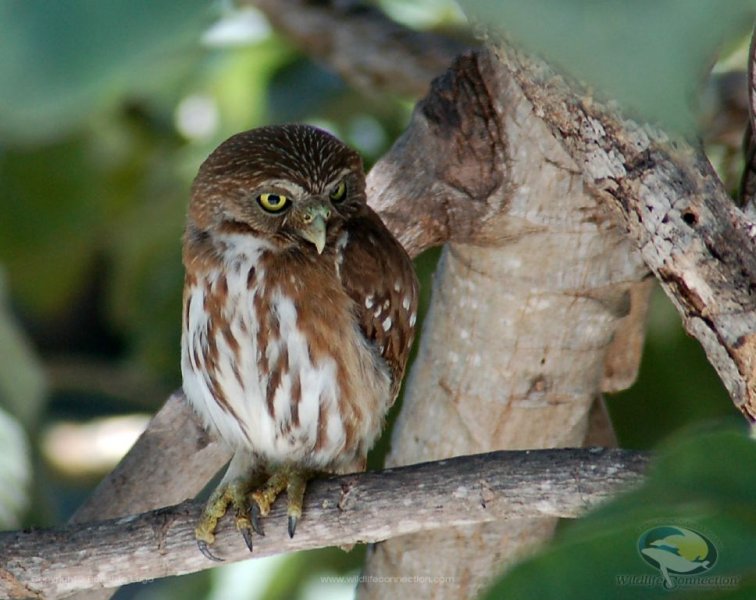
286	183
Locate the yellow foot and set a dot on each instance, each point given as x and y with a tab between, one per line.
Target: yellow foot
233	493
251	501
291	479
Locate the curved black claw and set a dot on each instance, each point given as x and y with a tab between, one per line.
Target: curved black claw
246	533
256	518
205	549
292	525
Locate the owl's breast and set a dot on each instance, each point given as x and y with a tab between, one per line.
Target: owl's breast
273	358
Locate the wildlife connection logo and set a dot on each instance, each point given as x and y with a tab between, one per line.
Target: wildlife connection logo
683	557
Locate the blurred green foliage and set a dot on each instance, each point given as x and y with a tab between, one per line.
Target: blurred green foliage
64	60
650	55
676	386
96	160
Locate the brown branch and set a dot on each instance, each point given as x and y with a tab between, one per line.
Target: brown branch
665	193
369	50
505	361
701	247
359	508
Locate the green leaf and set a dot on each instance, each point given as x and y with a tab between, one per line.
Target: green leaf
22	380
51	208
651	55
699	396
702	488
60	60
15	471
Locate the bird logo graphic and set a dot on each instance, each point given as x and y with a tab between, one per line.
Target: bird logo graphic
677	551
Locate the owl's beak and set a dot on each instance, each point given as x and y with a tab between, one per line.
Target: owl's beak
314	221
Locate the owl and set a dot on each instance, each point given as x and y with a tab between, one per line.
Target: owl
299	312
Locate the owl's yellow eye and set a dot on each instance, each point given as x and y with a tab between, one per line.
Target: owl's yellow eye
337	193
273	202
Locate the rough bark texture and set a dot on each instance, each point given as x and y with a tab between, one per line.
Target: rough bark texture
527	299
701	247
338	511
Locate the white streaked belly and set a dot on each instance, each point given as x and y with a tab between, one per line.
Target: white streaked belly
273	436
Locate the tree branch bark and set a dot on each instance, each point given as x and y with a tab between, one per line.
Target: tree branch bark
698	243
369	50
532	291
350	509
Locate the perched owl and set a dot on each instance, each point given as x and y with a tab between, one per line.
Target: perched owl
298	317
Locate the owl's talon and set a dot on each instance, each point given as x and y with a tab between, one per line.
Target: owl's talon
287	478
246	533
295	496
214	509
243	524
255	514
292	525
205	549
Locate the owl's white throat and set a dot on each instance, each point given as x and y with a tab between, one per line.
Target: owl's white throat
242	246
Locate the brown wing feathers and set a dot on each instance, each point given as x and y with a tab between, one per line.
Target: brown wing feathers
379	277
